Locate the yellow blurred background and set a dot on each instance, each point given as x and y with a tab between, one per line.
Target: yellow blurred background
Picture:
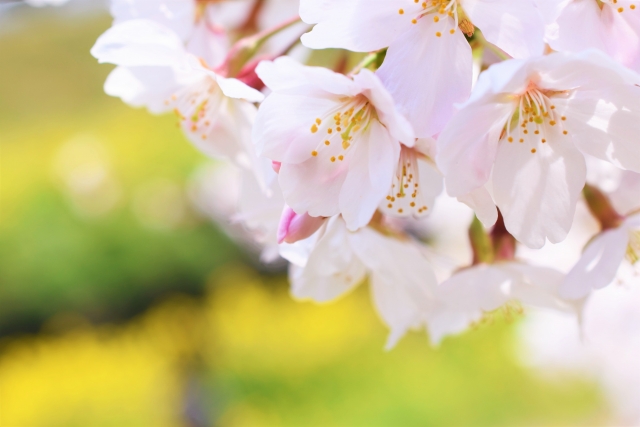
121	305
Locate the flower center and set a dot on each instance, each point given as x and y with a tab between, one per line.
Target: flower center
447	14
535	119
340	127
405	197
196	107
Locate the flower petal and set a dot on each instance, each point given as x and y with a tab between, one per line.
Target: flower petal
467	146
536	186
356	25
369	176
402	281
598	265
427	74
331	270
515	27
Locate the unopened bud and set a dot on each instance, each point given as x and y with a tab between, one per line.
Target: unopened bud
276	166
294	227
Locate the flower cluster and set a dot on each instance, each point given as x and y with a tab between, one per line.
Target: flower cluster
368	164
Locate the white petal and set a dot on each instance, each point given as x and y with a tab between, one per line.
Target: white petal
482	204
598	265
402	281
285	73
514	26
332	268
605	123
282	128
234	88
537	191
370	174
371	87
178	15
140	43
357	25
427	74
313	186
464	297
467	146
143	86
579	28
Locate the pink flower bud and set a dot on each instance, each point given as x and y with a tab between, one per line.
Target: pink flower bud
276	166
294	227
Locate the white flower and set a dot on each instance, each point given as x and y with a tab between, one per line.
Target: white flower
155	71
208	27
612	26
524	131
428	66
335	260
470	294
601	259
192	21
338	141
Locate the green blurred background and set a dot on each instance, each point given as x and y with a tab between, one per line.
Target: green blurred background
121	306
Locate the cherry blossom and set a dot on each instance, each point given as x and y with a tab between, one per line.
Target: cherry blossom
523	132
338	141
601	259
209	27
612	26
155	71
428	66
334	261
473	293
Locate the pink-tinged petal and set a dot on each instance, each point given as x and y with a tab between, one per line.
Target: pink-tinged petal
313	186
427	75
282	130
467	146
579	27
605	123
332	268
370	173
140	43
536	186
587	70
402	281
514	26
511	76
294	227
482	204
622	34
598	265
370	86
356	25
286	73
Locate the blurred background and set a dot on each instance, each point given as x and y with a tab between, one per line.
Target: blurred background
122	305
